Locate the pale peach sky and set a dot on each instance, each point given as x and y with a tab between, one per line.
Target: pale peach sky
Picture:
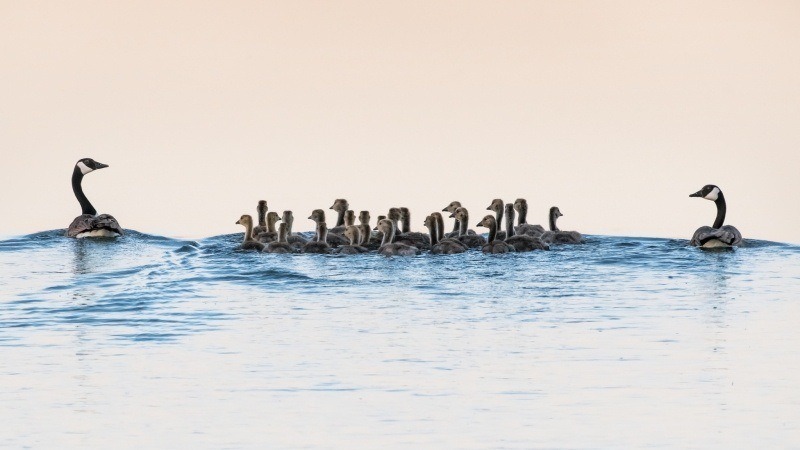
614	111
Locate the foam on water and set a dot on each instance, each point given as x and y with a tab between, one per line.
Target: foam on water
147	341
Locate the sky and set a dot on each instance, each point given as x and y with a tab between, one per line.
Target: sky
615	111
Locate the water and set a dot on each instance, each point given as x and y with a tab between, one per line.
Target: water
623	342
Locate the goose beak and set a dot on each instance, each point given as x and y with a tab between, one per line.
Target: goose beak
696	194
100	165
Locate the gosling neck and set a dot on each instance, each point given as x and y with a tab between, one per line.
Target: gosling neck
322	232
492	230
282	231
434	232
462	226
262	214
439	226
509	220
523	214
340	218
388	236
86	207
271	224
721	209
406	218
553	218
248	231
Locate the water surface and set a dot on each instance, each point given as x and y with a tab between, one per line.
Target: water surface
153	342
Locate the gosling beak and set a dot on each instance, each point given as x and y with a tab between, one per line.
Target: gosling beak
480	224
311	217
238	222
444	209
696	194
453	215
489	208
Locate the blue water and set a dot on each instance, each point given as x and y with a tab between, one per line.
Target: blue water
154	342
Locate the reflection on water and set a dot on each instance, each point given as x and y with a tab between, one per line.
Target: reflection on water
152	342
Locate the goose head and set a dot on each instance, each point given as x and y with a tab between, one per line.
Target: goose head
488	222
246	220
349	217
353	234
87	165
363	217
385	226
317	215
709	192
496	206
340	205
520	204
461	215
451	208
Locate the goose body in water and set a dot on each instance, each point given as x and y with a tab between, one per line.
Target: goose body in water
472	240
523	227
319	244
280	246
89	224
520	242
717	235
353	233
446	247
249	243
556	236
389	248
494	245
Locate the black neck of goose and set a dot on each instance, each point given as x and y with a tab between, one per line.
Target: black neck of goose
721	209
523	215
553	218
86	207
434	231
510	222
492	231
462	226
406	223
388	237
340	218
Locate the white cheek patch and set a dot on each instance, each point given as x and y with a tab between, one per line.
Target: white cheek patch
713	195
84	168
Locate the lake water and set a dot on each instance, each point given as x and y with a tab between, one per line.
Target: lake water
150	342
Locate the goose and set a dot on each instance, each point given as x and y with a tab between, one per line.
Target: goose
89	224
334	240
389	248
249	243
470	240
319	244
353	233
521	242
494	245
268	235
341	206
717	235
449	246
440	231
420	240
280	246
556	236
262	218
497	207
523	227
294	240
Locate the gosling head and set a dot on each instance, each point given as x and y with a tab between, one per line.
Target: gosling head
273	217
394	214
496	206
385	226
555	212
488	222
288	217
340	205
709	192
349	217
379	219
404	213
452	207
317	215
363	217
262	206
353	234
520	204
461	214
87	165
246	220
430	222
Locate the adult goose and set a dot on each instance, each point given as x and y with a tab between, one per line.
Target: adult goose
556	236
717	235
89	224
